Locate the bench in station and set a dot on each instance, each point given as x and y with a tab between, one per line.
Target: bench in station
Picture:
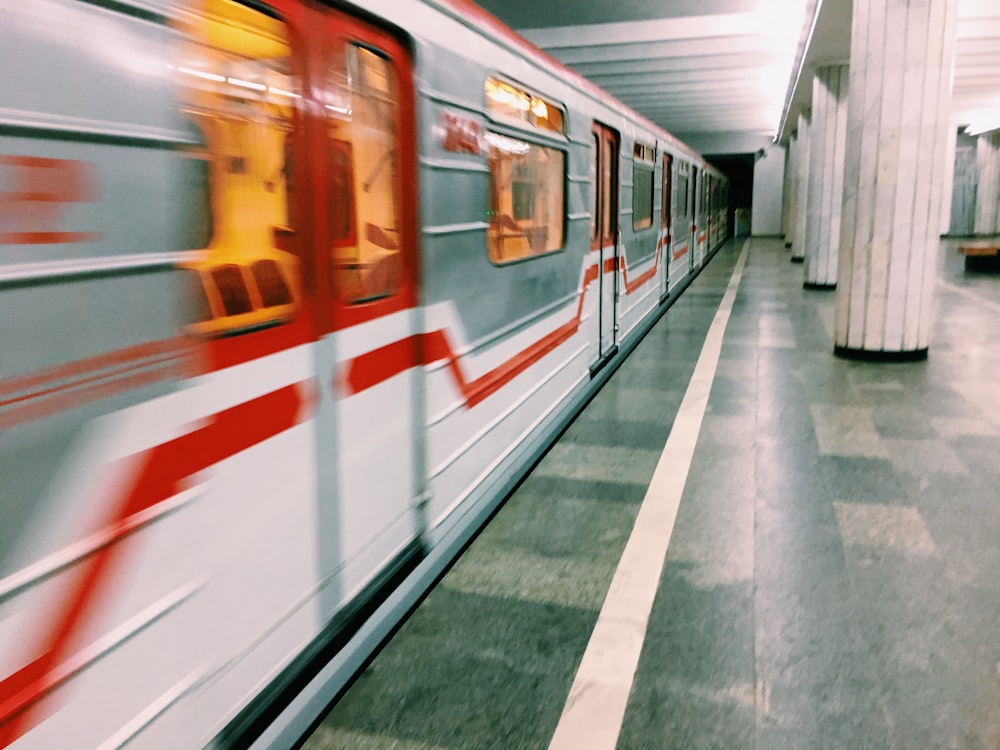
981	254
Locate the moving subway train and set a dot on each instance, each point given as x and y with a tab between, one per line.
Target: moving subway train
290	297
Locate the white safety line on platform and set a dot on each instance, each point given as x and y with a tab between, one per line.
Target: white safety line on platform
969	294
594	711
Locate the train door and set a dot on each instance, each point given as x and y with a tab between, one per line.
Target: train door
695	223
604	235
368	350
666	203
707	194
680	260
707	186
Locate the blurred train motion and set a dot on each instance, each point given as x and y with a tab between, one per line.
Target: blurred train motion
291	296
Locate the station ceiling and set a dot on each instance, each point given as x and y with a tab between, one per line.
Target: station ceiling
727	75
976	85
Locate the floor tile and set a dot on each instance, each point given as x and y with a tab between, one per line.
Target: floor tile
896	527
847	431
923	457
960	426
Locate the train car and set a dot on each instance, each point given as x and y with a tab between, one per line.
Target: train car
291	296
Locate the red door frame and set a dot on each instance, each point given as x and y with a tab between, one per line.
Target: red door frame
333	313
321	312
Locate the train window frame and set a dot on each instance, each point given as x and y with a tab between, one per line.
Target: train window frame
681	191
643	172
535	101
501	221
367	259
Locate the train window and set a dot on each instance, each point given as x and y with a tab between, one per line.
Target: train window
340	192
193	227
510	101
527	206
362	175
642	152
693	210
235	84
642	186
681	199
609	190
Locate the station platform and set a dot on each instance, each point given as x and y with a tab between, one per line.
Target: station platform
832	547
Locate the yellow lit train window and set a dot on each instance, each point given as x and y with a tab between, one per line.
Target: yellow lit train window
510	101
527	208
363	190
235	83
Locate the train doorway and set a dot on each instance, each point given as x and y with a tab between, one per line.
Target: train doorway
604	235
368	351
696	248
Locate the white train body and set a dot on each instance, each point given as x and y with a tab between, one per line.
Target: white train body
223	467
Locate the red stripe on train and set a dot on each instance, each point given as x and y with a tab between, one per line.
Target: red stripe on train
39	406
160	476
129	356
371	368
37	395
48	238
645	276
589	276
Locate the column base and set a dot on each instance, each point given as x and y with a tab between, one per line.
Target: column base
815	286
867	355
800	259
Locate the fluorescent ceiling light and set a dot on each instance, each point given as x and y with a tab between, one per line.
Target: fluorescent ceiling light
983	121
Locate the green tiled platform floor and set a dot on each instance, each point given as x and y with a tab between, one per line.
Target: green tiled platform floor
833	578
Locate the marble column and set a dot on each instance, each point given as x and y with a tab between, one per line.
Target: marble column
786	191
827	136
902	55
790	198
801	188
987	219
